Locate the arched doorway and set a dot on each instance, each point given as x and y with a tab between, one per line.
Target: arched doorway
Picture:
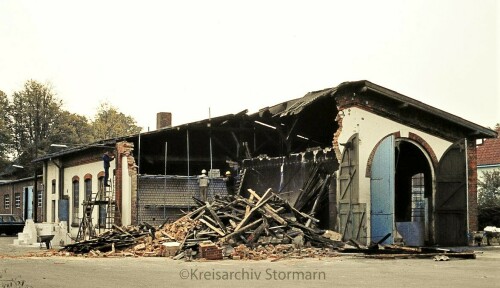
413	192
400	192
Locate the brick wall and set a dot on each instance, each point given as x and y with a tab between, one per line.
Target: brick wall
14	188
472	185
124	149
160	197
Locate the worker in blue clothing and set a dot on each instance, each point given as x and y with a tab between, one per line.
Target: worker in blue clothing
106	158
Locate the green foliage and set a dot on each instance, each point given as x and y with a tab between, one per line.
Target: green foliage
110	123
489	199
5	134
72	129
33	120
489	189
5	123
33	111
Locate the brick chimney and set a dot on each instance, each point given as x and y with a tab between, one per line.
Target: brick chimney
163	119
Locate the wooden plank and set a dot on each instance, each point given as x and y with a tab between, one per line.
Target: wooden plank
256	234
250	199
259	204
208	208
275	216
194	212
241	230
212	227
462	255
300	213
254	194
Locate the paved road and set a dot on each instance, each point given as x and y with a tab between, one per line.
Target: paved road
343	271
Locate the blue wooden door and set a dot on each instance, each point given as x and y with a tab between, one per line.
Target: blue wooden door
382	192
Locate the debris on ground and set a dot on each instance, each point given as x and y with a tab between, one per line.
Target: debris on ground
255	227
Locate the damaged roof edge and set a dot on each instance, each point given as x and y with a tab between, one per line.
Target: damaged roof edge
101	144
429	109
295	106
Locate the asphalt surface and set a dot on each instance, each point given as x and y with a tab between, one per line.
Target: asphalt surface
27	266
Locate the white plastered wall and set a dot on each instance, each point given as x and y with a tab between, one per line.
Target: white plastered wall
126	194
372	128
81	170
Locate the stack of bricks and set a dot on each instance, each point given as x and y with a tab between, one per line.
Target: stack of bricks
210	251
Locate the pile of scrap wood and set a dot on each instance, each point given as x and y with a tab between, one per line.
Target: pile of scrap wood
253	221
117	238
387	251
259	220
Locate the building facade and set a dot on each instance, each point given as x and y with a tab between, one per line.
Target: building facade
397	169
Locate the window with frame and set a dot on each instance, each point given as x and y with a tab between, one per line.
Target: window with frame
6	201
76	200
53	186
88	189
40	199
17	200
102	208
417	197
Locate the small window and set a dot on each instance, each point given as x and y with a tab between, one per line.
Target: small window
76	200
53	186
17	199
40	199
6	201
88	189
417	198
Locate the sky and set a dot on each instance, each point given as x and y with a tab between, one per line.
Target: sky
201	59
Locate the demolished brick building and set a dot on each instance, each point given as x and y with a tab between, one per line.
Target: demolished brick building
395	165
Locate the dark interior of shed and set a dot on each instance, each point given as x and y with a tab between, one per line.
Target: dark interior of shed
221	142
412	182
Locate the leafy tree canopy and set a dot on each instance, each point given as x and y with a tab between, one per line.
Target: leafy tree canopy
5	135
110	123
33	119
489	199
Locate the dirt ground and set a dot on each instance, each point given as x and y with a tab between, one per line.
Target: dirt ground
342	271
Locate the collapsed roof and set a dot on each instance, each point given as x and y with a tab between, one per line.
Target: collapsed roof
289	127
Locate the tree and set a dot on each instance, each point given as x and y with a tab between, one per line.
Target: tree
489	189
5	132
489	199
34	112
33	120
72	129
110	123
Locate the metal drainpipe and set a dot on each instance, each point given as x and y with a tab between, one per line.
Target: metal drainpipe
45	195
139	156
467	185
12	197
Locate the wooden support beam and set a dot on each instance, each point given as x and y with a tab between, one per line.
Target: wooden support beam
241	230
208	208
212	227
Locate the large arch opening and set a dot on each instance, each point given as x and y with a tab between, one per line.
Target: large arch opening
413	193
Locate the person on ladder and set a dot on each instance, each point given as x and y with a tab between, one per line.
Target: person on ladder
106	158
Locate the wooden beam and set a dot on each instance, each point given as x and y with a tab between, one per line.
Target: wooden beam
212	227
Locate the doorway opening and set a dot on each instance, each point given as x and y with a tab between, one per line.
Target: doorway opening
413	193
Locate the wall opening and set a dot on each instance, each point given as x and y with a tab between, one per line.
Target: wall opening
413	191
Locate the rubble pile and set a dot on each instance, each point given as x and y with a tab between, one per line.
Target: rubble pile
256	227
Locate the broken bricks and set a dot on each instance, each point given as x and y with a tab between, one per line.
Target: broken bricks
253	228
